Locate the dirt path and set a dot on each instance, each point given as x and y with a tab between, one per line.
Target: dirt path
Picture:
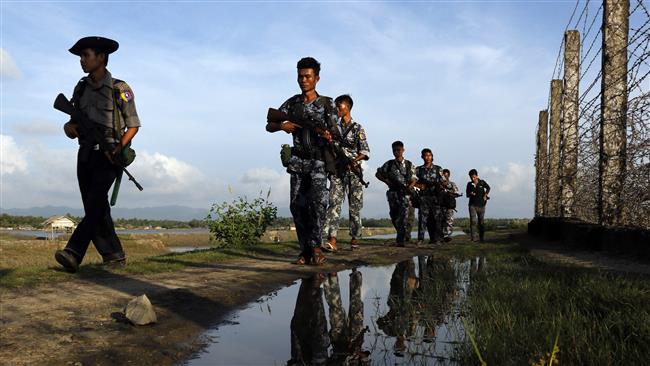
589	259
77	322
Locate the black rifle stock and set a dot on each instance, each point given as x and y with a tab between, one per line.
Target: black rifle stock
277	116
89	129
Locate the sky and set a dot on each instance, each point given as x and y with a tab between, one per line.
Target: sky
464	78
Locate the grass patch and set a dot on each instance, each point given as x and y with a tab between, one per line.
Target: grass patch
517	305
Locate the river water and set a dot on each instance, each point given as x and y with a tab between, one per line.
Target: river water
403	314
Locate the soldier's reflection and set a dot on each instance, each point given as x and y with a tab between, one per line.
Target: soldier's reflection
400	321
346	333
309	339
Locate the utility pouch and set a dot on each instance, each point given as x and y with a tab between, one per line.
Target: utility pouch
285	154
128	155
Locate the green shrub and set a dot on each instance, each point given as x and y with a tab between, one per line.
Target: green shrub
241	222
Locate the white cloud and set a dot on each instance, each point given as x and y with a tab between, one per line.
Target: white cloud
13	157
167	174
518	176
512	189
8	67
262	175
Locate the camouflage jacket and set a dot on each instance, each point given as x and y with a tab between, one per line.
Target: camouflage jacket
321	111
353	139
431	177
450	187
399	173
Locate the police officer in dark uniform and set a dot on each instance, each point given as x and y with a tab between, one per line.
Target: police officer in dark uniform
108	102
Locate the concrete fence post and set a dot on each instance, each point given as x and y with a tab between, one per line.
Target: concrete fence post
570	111
541	165
553	193
613	123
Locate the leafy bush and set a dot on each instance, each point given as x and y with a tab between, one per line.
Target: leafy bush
241	222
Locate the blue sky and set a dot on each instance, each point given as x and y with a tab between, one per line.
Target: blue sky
466	79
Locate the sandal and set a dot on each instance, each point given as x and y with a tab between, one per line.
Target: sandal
330	245
302	260
318	258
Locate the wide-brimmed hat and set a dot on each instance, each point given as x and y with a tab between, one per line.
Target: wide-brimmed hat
105	44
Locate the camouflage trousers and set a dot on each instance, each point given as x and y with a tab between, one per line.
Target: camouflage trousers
348	184
410	220
430	218
398	204
308	200
346	333
449	223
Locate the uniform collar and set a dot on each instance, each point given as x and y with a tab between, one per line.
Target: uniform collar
107	81
349	124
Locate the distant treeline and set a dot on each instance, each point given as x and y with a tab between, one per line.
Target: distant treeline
15	221
133	223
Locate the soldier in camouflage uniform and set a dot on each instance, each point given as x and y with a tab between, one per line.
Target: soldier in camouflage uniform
451	189
430	215
108	102
399	175
354	145
308	193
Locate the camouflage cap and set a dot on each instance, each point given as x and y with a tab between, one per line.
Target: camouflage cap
105	44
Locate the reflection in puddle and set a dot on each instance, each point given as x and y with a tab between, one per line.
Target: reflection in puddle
407	313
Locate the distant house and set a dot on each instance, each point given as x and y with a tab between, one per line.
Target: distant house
59	223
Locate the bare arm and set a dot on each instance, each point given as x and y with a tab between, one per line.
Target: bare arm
128	135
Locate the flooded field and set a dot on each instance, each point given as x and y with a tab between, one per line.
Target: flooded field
404	314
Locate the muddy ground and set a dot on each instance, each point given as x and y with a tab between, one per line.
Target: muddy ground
79	322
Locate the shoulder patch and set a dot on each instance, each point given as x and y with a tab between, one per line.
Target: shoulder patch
126	94
362	134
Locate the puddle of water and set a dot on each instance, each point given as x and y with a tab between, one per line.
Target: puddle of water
185	249
414	235
403	314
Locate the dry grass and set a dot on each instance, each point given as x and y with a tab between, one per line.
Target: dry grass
40	253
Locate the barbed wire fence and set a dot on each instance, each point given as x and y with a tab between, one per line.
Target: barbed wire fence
587	198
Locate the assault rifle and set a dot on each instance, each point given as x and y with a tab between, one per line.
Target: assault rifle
276	116
89	129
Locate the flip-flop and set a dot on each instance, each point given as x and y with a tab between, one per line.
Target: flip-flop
318	258
301	261
330	248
